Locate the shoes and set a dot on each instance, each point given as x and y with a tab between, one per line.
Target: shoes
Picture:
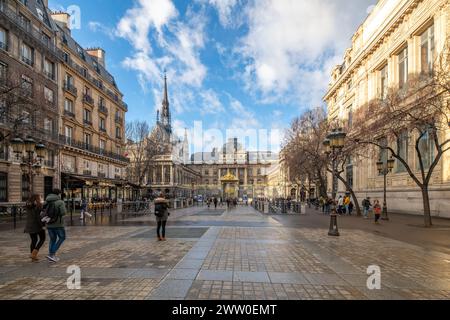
163	239
53	259
159	239
34	254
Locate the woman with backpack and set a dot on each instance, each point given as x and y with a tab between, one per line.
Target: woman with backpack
162	215
34	225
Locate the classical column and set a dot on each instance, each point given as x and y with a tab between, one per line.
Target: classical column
171	175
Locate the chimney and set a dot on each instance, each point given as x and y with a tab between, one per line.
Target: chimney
63	19
99	54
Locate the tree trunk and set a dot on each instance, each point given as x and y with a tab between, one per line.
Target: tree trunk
355	202
426	207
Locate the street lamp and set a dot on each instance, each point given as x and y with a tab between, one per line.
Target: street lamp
32	163
384	168
334	143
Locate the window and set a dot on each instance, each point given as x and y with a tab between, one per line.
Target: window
402	150
49	69
384	82
349	172
3	71
3	39
25	22
350	117
69	134
259	172
87	116
427	50
403	68
26	117
102	124
50	158
3	187
49	95
426	148
46	39
27	85
101	102
27	54
87	139
66	57
118	133
68	106
102	145
383	155
48	125
25	188
69	80
206	172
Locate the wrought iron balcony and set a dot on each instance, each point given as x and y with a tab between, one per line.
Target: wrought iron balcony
87	122
27	61
90	148
119	120
102	175
103	109
70	88
3	46
69	113
88	99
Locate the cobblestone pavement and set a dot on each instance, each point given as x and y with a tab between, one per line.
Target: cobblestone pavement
219	254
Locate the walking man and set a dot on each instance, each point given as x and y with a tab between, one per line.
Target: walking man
56	210
366	205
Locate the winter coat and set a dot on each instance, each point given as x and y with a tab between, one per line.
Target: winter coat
33	224
61	210
165	204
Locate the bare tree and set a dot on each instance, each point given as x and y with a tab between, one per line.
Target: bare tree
417	116
143	146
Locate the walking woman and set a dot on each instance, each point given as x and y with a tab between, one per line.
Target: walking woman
34	225
162	215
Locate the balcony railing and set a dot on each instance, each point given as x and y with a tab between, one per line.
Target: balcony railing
15	19
88	99
69	113
89	147
27	61
70	88
103	109
119	120
87	122
87	172
49	75
3	46
102	130
102	175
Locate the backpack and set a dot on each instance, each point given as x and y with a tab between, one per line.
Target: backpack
160	209
50	214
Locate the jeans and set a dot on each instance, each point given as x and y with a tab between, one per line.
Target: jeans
57	237
35	243
161	225
366	212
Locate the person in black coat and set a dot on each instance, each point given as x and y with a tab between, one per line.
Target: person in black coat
34	226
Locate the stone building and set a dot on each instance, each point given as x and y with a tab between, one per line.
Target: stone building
397	40
232	171
29	98
92	125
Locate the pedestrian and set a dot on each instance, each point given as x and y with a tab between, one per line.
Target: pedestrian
215	203
84	212
347	205
34	226
377	211
340	204
162	215
327	205
366	205
55	210
350	208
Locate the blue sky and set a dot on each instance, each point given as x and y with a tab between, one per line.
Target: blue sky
231	64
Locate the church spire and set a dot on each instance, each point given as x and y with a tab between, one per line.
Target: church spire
165	117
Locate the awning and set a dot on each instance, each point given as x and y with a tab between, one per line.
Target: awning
73	181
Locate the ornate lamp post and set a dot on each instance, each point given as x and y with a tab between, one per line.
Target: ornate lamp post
384	168
31	163
333	146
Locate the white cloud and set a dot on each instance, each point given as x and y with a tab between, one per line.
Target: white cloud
135	25
224	9
211	103
99	27
287	49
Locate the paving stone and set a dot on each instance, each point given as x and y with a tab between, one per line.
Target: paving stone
294	278
215	275
173	289
190	264
183	274
242	276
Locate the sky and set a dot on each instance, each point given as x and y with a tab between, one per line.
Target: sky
234	67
